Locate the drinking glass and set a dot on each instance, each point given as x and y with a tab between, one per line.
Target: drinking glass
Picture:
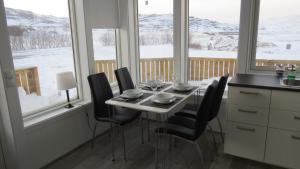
153	85
160	80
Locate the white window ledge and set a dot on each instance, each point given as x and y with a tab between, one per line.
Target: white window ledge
60	112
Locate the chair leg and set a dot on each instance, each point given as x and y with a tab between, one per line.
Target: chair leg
148	126
112	141
221	129
156	150
170	142
142	130
214	138
201	154
124	146
175	142
94	135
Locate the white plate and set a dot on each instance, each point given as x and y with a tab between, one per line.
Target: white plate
132	93
163	98
182	87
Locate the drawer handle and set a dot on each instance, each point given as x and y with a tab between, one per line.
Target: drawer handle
245	128
295	137
249	93
247	111
296	117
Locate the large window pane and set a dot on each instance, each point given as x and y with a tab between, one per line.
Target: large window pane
213	39
105	52
155	18
278	39
41	44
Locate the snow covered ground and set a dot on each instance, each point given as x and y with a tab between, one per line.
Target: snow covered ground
52	61
49	63
278	39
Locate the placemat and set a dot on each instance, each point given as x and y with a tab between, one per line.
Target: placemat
164	106
171	90
120	99
159	89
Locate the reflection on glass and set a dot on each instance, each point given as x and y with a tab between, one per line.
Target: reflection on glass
278	40
213	39
105	53
155	20
41	45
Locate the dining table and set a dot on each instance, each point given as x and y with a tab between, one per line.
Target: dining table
161	111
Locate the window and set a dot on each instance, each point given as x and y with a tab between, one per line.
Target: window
155	21
41	44
278	34
105	52
213	39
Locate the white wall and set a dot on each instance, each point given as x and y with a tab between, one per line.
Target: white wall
2	163
41	144
102	13
36	146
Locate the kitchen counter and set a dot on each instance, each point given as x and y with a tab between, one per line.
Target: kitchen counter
259	81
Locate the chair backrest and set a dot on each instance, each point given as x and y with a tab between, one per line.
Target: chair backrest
218	97
206	104
124	79
101	91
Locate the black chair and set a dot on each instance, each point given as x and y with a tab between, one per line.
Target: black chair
189	110
125	82
101	92
189	129
124	79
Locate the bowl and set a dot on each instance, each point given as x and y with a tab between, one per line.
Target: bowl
132	93
182	86
163	98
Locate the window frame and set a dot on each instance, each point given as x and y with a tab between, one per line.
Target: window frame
248	33
254	30
179	40
117	50
239	66
251	57
77	71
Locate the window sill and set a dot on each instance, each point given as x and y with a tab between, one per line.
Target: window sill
60	112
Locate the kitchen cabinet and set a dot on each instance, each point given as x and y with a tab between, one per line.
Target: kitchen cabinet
263	122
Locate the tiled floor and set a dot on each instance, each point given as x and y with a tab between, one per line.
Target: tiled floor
141	156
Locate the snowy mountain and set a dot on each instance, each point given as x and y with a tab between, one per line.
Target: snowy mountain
164	22
31	31
17	17
28	30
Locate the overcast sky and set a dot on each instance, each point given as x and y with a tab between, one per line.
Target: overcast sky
223	10
220	10
46	7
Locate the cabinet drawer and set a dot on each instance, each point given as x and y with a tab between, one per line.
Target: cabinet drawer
285	100
246	141
247	114
249	96
284	119
283	148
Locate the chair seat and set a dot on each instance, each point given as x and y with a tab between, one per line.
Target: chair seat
179	131
187	114
190	111
182	127
122	116
183	121
190	106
